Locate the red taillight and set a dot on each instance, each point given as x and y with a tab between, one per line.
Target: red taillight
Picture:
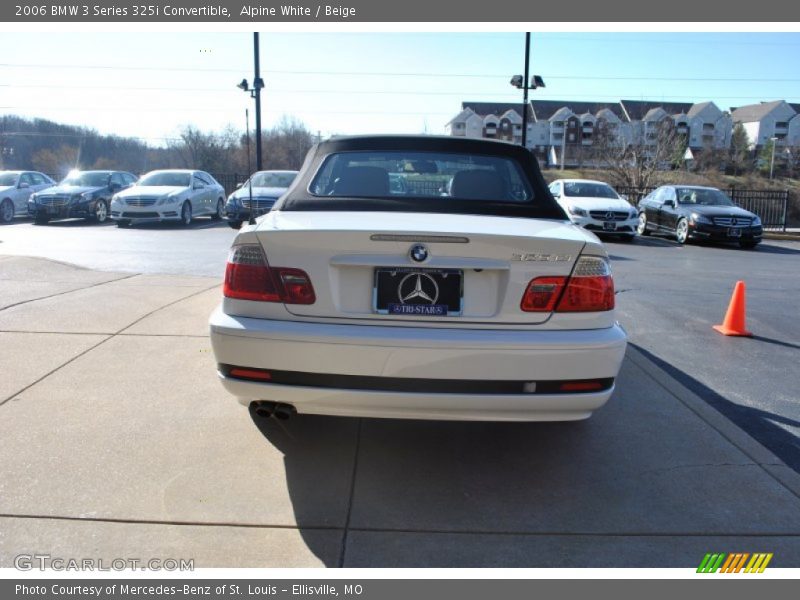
590	288
296	286
542	294
248	276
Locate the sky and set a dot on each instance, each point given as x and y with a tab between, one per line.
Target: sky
150	85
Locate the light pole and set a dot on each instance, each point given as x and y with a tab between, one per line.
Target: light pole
774	141
521	82
255	93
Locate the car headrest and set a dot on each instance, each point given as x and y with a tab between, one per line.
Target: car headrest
362	181
478	185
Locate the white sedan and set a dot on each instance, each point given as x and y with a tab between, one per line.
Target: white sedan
169	195
596	206
15	189
353	297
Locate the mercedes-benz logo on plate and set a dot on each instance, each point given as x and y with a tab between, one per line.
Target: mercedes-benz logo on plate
418	253
418	288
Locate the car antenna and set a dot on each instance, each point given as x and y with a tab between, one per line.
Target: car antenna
252	219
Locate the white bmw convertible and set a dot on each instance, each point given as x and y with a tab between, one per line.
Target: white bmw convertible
465	294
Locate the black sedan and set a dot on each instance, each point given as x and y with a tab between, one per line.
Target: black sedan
695	212
257	195
82	194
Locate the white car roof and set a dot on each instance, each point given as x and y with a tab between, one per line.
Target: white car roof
582	181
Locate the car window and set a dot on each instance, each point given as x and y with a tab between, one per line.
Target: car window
269	179
128	178
206	178
117	178
26	178
38	179
703	196
87	179
199	183
588	189
368	174
166	178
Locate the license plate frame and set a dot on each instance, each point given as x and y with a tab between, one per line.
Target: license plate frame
433	294
609	226
734	232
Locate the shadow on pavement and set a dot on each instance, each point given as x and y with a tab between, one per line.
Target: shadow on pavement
198	223
761	425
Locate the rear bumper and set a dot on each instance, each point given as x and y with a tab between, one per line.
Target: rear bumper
458	355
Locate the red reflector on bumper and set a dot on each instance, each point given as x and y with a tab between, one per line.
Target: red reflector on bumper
580	386
250	374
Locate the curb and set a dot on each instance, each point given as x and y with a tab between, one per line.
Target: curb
767	235
784	475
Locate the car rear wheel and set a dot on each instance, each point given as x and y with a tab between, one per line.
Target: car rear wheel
6	211
682	231
186	214
220	212
100	212
641	228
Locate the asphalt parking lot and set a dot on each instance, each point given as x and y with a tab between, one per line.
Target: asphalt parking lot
119	441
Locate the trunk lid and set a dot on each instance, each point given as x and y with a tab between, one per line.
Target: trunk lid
342	253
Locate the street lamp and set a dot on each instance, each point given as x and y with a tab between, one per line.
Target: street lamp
255	93
521	82
774	141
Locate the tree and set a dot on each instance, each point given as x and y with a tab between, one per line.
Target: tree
285	146
57	161
634	160
740	149
766	158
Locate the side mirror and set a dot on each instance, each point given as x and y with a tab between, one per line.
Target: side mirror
24	185
669	203
624	196
239	185
114	186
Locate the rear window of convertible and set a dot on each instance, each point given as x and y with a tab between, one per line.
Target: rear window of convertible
420	175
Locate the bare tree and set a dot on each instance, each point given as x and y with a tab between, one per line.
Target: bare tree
286	144
634	161
57	161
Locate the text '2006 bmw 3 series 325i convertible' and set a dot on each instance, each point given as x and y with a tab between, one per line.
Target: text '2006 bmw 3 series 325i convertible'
418	277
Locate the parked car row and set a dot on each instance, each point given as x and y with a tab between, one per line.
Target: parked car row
163	195
684	212
681	211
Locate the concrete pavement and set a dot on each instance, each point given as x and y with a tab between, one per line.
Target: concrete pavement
119	442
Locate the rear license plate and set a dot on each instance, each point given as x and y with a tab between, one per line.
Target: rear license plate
52	210
609	226
418	292
734	232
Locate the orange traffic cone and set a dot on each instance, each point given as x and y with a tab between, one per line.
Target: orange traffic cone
734	318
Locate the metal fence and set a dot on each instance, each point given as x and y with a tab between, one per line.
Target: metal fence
770	205
229	180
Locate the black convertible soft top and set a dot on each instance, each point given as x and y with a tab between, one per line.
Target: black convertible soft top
540	205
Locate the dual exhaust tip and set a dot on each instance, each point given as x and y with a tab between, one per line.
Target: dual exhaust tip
275	410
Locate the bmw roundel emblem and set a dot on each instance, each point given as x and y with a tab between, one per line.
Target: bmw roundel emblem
418	253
